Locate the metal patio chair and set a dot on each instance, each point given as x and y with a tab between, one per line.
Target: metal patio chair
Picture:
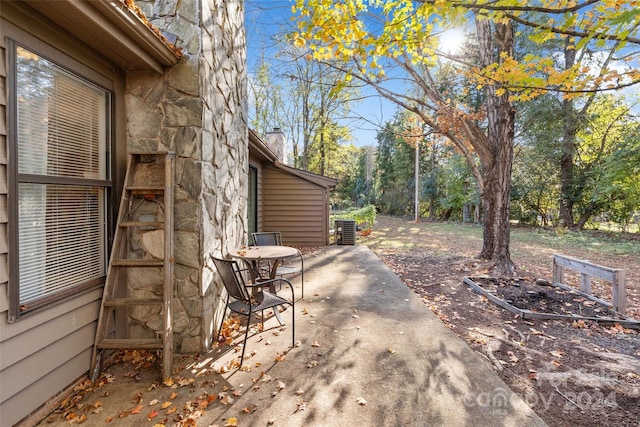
241	301
274	238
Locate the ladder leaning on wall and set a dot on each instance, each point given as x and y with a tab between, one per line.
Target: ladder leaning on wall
142	249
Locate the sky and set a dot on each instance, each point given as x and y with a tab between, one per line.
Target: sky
263	18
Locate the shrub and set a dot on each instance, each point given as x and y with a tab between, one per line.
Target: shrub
364	217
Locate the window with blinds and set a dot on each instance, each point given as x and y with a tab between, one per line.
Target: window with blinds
62	158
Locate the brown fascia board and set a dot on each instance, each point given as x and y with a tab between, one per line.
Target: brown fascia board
112	29
320	180
260	148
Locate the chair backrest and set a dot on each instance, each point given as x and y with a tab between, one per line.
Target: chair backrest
232	278
267	238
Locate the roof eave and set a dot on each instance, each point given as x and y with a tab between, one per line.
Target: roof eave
112	29
138	31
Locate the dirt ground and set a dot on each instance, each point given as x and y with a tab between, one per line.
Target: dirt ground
571	372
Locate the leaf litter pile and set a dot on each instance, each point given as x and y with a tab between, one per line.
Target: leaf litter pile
196	388
570	373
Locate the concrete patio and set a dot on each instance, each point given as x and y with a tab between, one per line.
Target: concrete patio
370	353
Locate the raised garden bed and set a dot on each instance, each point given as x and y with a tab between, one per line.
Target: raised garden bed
545	300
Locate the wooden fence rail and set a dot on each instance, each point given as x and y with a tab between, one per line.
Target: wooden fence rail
587	270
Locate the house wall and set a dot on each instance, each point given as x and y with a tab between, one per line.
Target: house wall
198	109
44	352
295	207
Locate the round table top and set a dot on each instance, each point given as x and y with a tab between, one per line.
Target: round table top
263	252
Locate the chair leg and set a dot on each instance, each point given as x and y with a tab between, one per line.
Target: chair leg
293	324
246	335
302	274
224	313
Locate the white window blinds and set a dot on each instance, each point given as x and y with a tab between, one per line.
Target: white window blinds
62	158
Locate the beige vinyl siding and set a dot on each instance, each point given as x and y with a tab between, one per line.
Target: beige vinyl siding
296	208
4	273
46	351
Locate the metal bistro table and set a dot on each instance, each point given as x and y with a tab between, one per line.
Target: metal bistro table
252	255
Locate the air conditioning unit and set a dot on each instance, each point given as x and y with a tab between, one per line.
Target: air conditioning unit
345	232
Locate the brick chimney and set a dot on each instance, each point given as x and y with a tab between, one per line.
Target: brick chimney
277	142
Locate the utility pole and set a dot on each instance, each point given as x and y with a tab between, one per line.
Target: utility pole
417	182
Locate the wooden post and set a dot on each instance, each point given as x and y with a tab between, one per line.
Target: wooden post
558	271
585	283
619	291
167	347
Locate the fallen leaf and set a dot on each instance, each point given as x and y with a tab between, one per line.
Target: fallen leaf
185	381
226	400
299	392
249	409
301	405
165	405
173	395
232	422
154	402
137	409
152	414
280	385
579	324
557	353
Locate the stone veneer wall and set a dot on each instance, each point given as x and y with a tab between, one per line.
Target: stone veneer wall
197	109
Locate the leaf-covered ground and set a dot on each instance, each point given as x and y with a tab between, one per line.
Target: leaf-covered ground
570	372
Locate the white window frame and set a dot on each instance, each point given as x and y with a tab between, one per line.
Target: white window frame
74	207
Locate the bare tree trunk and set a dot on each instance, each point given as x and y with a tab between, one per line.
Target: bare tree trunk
496	167
568	149
432	198
322	151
